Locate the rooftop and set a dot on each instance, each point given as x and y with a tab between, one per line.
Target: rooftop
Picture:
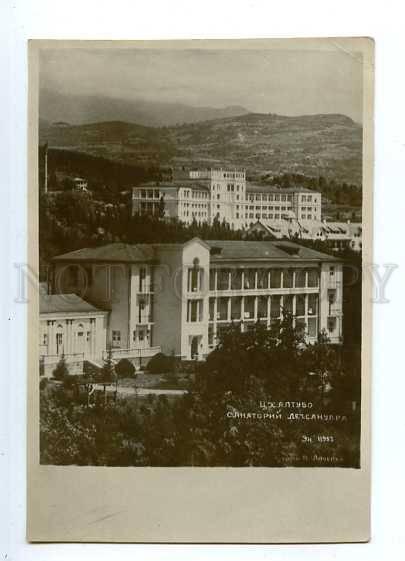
267	250
196	184
221	250
114	252
54	303
251	187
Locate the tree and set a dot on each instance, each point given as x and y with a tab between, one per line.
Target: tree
107	373
125	368
61	371
161	207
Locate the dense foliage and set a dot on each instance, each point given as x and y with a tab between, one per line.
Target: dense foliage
208	425
341	193
72	220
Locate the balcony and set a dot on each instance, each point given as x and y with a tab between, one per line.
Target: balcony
144	319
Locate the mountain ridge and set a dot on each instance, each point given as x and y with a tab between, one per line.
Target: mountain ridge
84	109
314	145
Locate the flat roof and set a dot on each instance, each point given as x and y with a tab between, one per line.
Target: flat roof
65	303
251	187
196	184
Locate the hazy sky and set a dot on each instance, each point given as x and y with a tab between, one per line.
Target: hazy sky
268	81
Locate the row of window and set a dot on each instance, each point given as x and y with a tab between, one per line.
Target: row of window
195	205
263	197
307	326
195	194
138	335
229	174
251	279
150	193
264	208
227	308
59	336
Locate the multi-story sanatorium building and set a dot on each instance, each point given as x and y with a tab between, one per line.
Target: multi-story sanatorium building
176	298
225	194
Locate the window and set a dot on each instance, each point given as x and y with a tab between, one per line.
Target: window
249	307
222	308
236	279
116	338
236	308
275	307
249	279
194	279
262	278
288	278
312	327
332	271
59	340
211	309
262	307
300	279
223	279
194	310
313	278
287	304
300	305
312	304
210	336
331	299
275	278
331	323
45	339
212	279
142	278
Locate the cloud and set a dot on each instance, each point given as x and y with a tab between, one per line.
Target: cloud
277	81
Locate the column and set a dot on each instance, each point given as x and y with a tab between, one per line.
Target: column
255	308
268	310
52	335
242	312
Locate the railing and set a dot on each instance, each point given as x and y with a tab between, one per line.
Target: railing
335	310
52	359
146	288
144	318
145	352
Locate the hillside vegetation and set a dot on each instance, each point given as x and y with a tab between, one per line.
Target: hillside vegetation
313	145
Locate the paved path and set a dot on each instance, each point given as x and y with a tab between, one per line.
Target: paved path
125	390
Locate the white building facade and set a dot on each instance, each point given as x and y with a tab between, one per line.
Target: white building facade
176	298
225	195
72	328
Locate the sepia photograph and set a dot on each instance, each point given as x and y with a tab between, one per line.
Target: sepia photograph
200	224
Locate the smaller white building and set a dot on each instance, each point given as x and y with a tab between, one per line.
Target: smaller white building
72	328
338	235
80	184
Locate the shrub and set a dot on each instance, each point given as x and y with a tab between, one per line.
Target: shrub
43	383
125	368
160	364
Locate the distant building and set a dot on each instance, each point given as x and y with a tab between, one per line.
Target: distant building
224	195
80	184
338	235
177	298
